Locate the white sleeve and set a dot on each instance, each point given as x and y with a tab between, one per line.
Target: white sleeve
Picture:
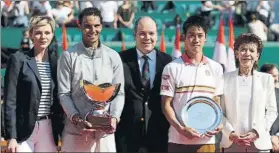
219	81
64	78
168	82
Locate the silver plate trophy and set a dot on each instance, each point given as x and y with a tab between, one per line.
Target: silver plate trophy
202	114
100	96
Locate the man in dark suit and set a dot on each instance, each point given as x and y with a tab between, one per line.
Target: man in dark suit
142	125
274	132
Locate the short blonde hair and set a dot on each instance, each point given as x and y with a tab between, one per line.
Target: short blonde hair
41	20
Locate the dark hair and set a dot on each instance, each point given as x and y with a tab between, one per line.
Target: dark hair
177	19
140	18
90	11
195	20
247	38
252	16
267	67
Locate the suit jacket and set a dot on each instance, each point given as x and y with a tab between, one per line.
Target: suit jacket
22	93
275	126
264	110
137	115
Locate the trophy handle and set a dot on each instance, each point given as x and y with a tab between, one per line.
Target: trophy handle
117	88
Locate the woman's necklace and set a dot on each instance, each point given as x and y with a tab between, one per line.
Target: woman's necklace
244	75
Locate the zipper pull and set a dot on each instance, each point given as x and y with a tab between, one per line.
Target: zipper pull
96	76
93	52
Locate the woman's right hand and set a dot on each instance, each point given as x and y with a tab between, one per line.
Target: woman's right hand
12	145
238	140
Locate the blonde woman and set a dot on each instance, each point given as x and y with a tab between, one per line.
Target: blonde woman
31	108
249	104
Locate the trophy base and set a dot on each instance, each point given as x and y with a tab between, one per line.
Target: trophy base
102	123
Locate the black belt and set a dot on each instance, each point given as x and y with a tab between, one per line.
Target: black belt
43	117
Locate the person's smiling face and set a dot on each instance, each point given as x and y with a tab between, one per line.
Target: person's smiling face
247	54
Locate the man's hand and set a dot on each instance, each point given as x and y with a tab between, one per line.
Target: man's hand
82	124
212	133
113	126
189	132
275	143
12	145
87	126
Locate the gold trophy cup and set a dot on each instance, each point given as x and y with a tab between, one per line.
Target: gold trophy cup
100	96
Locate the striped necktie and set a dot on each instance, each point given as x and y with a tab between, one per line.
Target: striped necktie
145	77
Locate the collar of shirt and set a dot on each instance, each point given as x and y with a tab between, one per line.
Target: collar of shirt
188	61
151	55
91	51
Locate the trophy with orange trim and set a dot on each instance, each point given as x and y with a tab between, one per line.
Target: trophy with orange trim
100	96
